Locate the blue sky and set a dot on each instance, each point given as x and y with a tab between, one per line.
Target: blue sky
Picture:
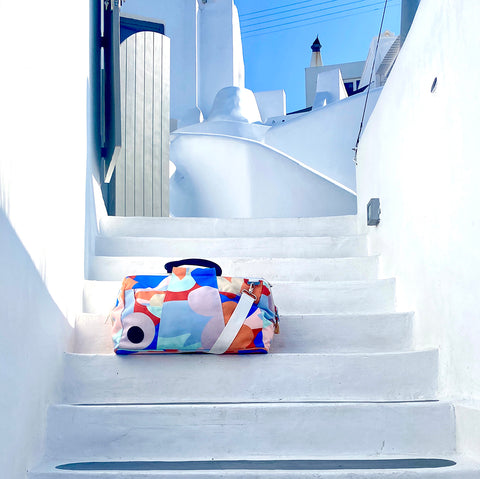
276	57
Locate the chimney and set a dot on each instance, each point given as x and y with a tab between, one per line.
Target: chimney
316	60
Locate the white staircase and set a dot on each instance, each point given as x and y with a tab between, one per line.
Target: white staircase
342	392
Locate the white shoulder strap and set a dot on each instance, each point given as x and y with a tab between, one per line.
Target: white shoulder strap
233	326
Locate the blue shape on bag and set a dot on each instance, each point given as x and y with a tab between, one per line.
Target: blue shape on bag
123	352
148	281
224	298
179	319
129	302
258	340
252	309
205	277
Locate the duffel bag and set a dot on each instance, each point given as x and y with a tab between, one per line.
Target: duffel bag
193	309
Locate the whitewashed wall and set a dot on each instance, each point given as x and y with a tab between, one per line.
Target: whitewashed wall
220	51
43	170
271	103
206	50
180	19
420	156
225	177
323	139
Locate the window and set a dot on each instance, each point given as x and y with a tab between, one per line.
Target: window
349	87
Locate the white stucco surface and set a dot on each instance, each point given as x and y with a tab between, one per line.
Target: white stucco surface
34	335
235	104
44	146
323	139
206	50
253	131
386	40
221	176
350	72
85	432
234	113
220	50
419	155
180	19
271	103
330	88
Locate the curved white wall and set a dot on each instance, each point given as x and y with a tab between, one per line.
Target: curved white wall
43	171
420	156
220	176
323	139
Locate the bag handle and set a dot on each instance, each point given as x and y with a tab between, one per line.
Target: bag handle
194	262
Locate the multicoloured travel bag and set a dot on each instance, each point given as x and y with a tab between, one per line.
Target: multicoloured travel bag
194	309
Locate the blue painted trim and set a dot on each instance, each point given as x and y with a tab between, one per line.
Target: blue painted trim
130	26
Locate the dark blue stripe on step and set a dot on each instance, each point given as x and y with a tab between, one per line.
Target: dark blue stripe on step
321	465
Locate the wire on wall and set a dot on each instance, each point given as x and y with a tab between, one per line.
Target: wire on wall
355	149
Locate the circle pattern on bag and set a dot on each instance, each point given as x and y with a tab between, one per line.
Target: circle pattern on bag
135	335
138	331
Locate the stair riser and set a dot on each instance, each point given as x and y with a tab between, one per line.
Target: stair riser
442	473
106	268
202	378
291	298
344	333
204	432
355	297
298	334
218	227
293	247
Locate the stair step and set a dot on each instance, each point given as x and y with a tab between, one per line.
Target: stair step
267	247
187	378
359	468
179	432
314	333
228	227
371	296
106	268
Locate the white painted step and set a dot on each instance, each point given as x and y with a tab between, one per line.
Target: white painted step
464	468
276	377
267	247
313	333
346	333
232	227
179	432
318	297
106	268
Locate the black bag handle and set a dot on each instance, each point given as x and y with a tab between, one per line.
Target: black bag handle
195	262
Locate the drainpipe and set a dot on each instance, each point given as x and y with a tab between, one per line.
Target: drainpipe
409	8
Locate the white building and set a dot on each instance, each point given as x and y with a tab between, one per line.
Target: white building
206	51
351	74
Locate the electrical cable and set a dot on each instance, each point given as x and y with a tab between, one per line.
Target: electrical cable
291	10
274	8
307	13
318	16
244	37
355	149
391	4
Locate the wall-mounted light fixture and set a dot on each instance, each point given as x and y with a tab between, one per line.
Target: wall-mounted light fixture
373	212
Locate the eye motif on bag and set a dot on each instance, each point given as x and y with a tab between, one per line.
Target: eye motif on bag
140	331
